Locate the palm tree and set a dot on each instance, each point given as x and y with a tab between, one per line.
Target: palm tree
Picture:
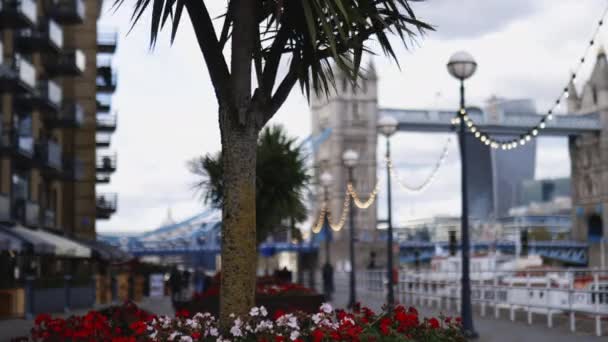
308	36
281	179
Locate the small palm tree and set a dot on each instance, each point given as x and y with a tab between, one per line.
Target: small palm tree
243	59
281	179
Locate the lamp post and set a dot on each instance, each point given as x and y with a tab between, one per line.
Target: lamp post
387	125
462	66
350	159
326	180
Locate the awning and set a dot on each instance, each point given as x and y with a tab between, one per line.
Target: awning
105	251
63	246
29	242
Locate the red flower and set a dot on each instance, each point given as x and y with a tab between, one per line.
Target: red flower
183	313
413	310
317	335
138	327
278	314
385	324
195	335
279	338
434	323
42	318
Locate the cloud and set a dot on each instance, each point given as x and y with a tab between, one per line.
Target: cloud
470	19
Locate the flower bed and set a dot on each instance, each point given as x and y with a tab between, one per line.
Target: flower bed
271	293
403	324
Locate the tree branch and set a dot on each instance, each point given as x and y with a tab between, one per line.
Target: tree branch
209	46
274	58
283	90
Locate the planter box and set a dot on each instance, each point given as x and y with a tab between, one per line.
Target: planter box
308	303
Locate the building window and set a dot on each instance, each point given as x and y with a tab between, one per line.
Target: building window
595	228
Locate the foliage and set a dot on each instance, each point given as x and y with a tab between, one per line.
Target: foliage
280	181
362	324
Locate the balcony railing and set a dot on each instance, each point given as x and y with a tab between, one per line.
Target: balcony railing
49	219
67	11
102	179
25	145
68	63
104	103
106	123
26	71
106	205
50	91
27	212
106	41
48	36
49	153
18	13
106	163
107	82
103	140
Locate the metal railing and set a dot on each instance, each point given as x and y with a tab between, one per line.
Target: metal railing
26	7
55	33
575	293
106	162
51	91
107	202
50	153
49	219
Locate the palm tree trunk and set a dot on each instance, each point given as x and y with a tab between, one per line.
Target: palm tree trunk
239	250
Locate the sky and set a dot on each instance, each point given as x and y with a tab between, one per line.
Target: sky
167	112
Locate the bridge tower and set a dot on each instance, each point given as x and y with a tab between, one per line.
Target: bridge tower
589	162
350	111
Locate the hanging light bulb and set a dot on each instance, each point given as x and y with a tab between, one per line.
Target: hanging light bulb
474	129
542	125
483	138
470	123
522	142
535	132
528	137
463	111
550	117
477	135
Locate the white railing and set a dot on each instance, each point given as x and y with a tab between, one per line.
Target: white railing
27	72
55	93
80	60
575	293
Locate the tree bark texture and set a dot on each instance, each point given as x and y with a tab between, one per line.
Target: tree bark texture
239	250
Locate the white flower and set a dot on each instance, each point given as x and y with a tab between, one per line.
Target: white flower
173	335
263	311
294	335
236	331
293	323
316	318
213	332
232	315
326	307
186	339
254	311
264	325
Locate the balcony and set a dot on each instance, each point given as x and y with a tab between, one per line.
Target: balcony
104	102
102	179
5	208
47	97
66	63
106	77
17	75
48	154
106	163
27	212
74	169
106	205
103	140
106	123
106	41
71	115
67	12
49	219
21	147
17	14
48	37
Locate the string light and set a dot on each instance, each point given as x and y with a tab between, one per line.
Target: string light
422	186
325	213
486	139
358	202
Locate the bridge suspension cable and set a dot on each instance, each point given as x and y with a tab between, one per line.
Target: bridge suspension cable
510	144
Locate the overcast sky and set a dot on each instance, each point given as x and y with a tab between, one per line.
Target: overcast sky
168	113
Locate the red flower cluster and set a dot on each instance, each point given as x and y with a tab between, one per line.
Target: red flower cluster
130	324
265	286
115	324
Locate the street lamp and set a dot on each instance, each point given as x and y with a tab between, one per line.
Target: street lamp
387	125
326	180
462	66
350	159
